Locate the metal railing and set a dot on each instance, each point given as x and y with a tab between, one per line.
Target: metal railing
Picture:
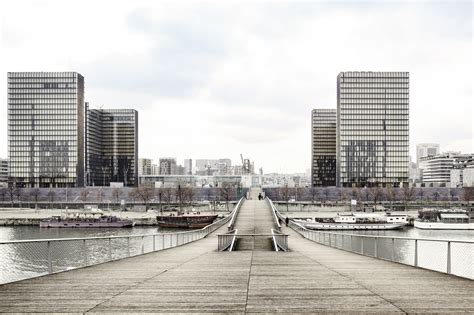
280	241
25	259
226	242
454	257
234	214
274	213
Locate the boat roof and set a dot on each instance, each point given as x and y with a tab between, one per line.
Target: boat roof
454	216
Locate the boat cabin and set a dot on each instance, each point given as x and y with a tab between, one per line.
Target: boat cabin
348	218
454	218
396	218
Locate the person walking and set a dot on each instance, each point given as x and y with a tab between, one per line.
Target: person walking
287	221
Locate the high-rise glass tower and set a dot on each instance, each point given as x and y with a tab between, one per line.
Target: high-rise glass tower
323	147
112	146
46	129
373	128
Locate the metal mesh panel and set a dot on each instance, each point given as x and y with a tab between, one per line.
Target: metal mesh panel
23	260
432	255
462	259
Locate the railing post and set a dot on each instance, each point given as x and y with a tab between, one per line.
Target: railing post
375	247
329	240
393	249
352	249
362	246
448	263
84	252
154	242
416	253
163	241
50	261
110	249
143	245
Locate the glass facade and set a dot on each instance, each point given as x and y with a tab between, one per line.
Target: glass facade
46	129
373	128
323	147
112	146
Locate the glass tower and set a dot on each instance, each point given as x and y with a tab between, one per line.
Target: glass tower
46	129
112	146
323	147
373	129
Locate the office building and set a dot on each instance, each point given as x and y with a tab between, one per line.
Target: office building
46	129
436	169
426	149
144	167
4	169
188	167
323	147
373	129
168	166
462	174
112	147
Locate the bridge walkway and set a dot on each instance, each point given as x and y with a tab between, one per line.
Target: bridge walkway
254	219
195	278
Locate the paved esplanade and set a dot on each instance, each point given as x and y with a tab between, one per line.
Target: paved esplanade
196	278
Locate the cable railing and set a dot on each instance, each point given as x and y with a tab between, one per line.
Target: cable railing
23	259
274	214
454	257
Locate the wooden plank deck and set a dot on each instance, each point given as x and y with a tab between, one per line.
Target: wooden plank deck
195	278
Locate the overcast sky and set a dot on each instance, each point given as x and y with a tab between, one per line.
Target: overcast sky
215	80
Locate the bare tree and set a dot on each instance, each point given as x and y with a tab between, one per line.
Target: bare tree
189	193
391	194
285	194
35	193
133	194
145	193
421	194
313	193
467	194
376	193
342	195
83	195
116	193
326	194
167	194
436	195
51	196
3	193
12	193
408	194
100	195
227	193
452	194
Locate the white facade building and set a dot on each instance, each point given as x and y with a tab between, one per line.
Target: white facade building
436	170
426	149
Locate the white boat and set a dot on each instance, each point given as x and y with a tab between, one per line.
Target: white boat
445	219
357	222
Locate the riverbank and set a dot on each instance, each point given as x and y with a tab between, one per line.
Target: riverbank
32	217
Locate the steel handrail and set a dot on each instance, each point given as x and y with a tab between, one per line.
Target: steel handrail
275	217
234	214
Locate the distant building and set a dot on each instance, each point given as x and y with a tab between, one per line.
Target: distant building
188	167
144	167
112	146
4	169
46	129
373	129
155	169
213	167
436	169
323	147
426	149
168	166
462	174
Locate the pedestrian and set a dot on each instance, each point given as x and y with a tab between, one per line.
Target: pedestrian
287	221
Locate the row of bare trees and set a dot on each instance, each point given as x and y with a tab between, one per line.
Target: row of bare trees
372	194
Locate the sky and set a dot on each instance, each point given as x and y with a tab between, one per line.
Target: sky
216	79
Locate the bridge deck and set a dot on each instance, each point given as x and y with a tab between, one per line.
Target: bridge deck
196	278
